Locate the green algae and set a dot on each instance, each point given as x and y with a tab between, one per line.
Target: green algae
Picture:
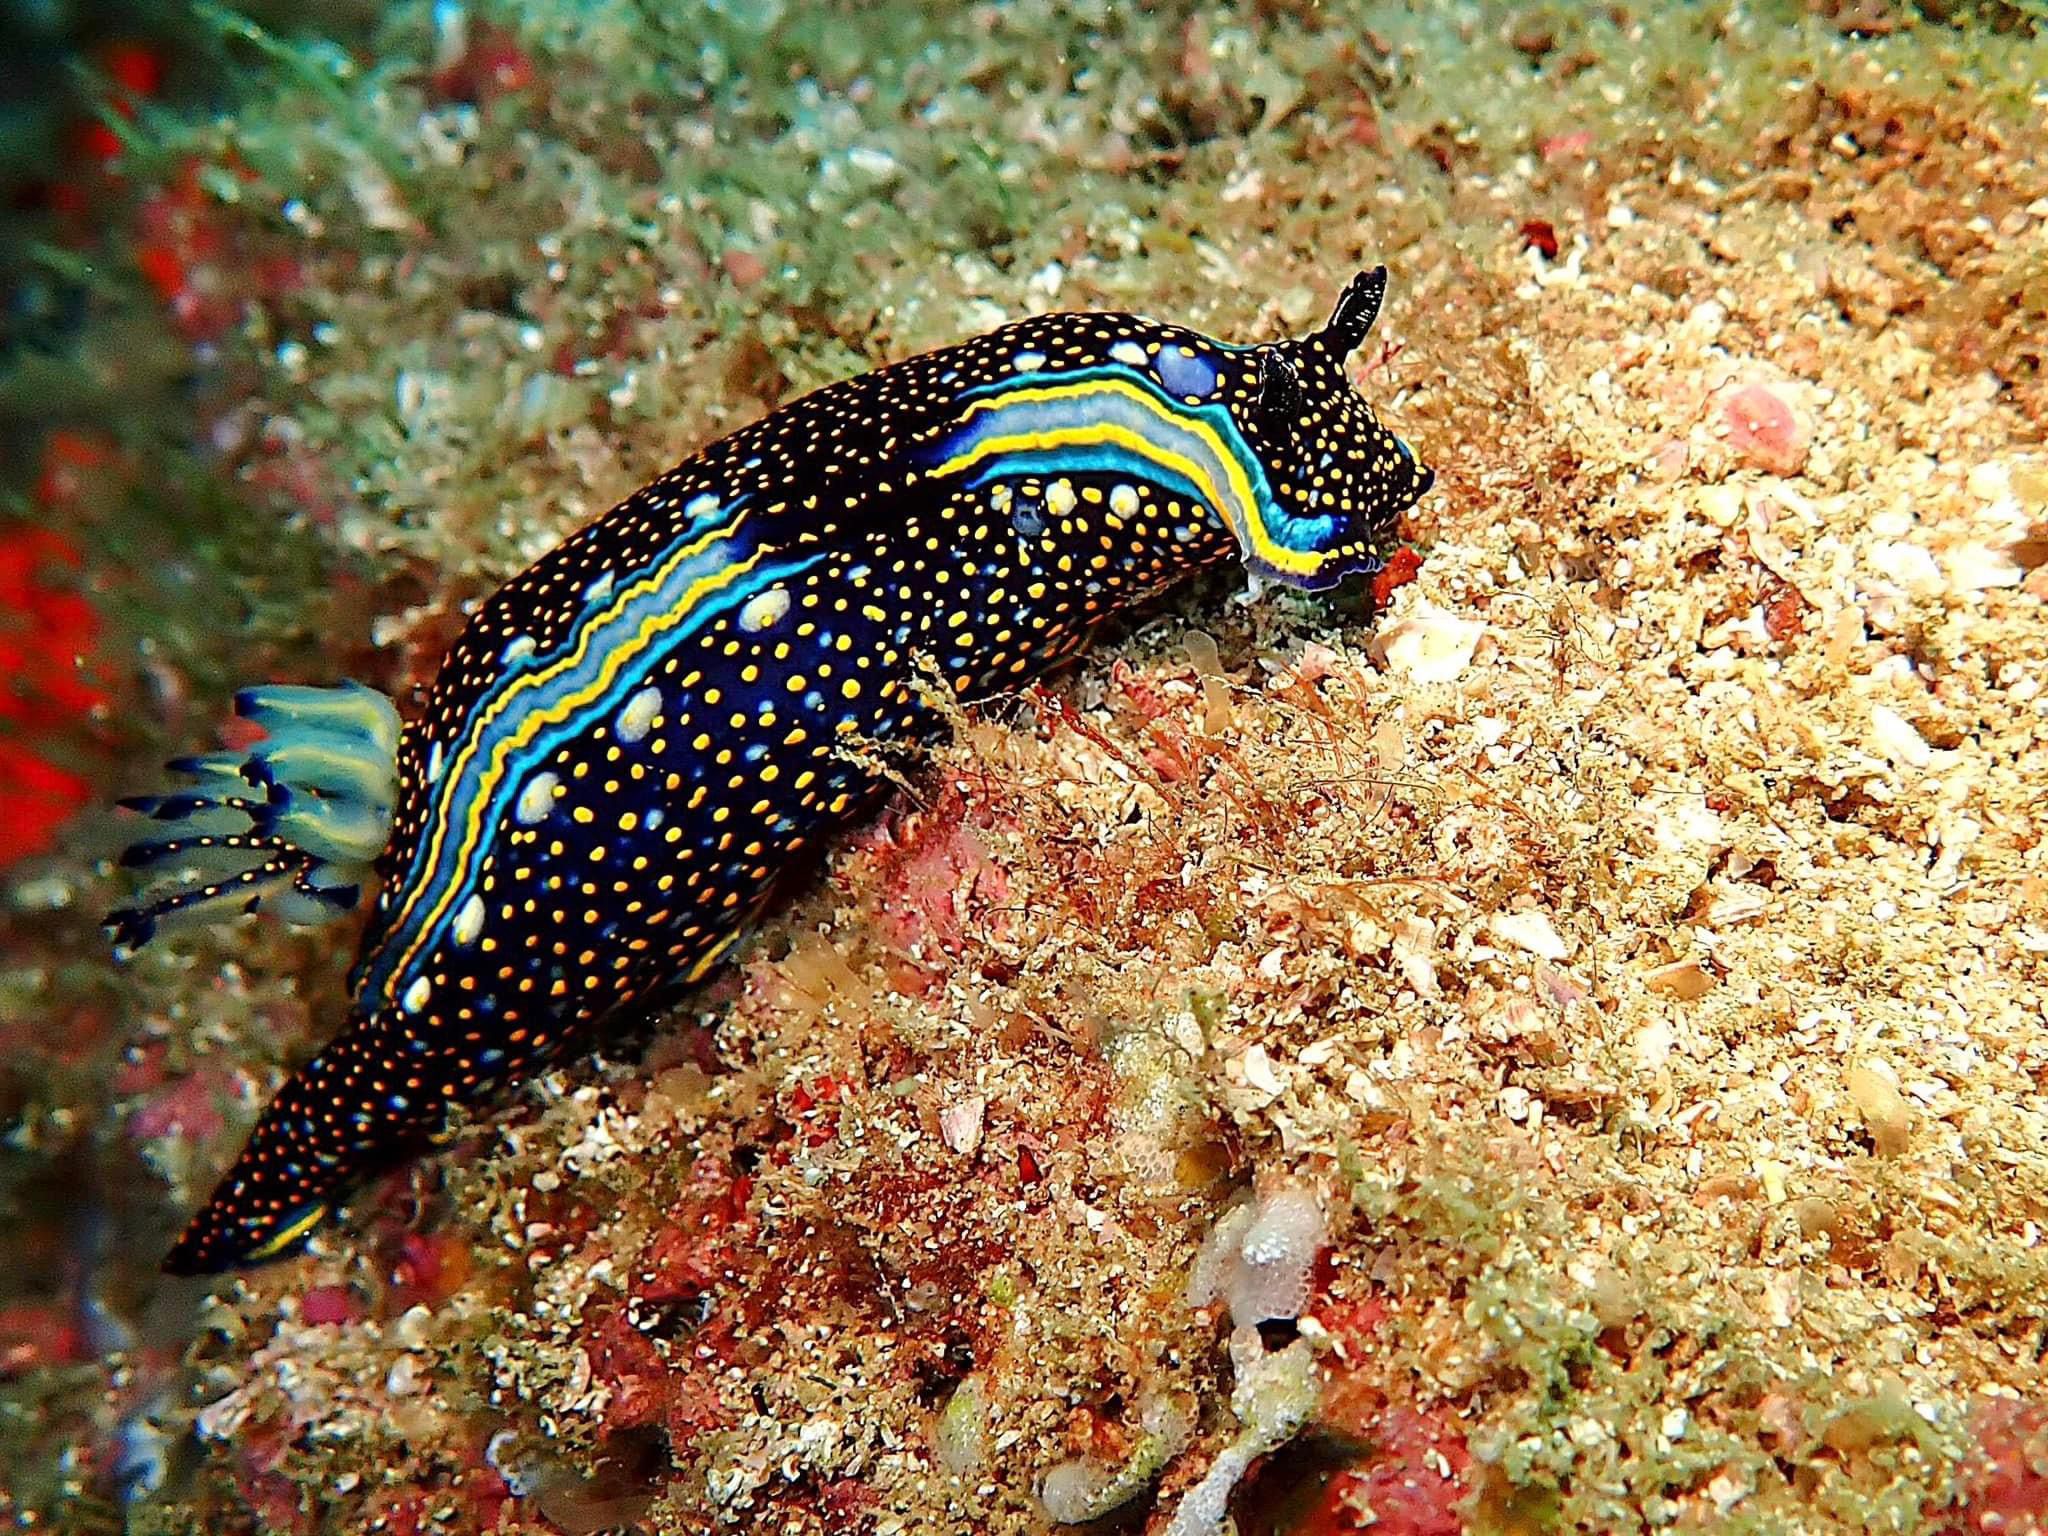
1581	1362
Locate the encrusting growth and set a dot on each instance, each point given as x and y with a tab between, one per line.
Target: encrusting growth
636	738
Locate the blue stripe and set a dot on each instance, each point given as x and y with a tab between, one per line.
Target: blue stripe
453	801
1290	530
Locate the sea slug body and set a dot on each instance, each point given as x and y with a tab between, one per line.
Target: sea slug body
636	738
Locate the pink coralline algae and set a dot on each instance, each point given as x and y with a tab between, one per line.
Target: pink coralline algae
330	1304
2003	1486
181	249
1766	429
1413	1478
205	273
1413	1486
1565	146
47	632
41	798
931	870
190	1108
431	1267
705	1253
489	65
134	73
37	1335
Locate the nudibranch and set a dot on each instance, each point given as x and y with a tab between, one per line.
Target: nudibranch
636	739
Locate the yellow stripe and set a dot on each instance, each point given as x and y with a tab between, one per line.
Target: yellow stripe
1247	525
712	956
614	662
290	1234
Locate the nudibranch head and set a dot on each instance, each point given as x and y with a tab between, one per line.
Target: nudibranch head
1336	479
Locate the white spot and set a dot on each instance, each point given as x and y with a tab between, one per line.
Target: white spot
637	718
701	506
1028	362
434	763
417	994
1532	931
537	799
469	922
764	610
1430	644
1898	739
1000	498
599	589
1128	352
1123	501
518	648
1059	498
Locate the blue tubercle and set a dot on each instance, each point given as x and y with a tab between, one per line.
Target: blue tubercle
1185	372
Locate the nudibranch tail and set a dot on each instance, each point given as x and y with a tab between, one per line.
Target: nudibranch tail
373	1096
291	826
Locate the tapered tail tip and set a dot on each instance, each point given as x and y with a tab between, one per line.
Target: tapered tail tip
217	1241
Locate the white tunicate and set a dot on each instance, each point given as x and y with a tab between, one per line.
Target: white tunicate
1259	1293
1123	501
1087	1487
1288	1229
1270	1279
1158	1110
1273	1398
1218	1253
962	1431
1060	498
1258	1256
1072	1491
1203	1506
